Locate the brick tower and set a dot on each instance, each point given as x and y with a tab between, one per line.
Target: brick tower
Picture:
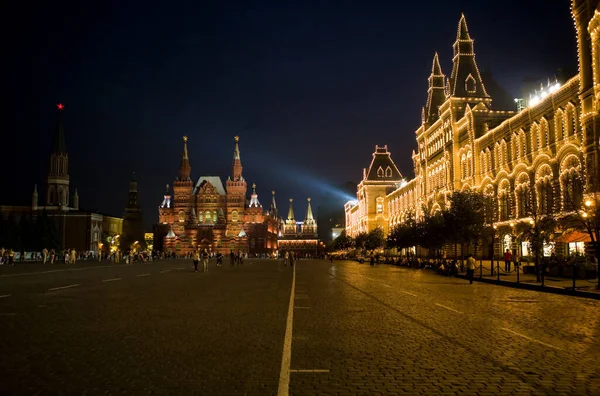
236	194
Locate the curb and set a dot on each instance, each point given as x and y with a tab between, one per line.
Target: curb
527	286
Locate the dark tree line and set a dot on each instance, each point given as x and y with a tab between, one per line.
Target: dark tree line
29	233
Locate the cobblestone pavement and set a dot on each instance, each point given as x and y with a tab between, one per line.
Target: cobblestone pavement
388	330
159	328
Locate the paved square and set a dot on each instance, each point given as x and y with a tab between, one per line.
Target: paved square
161	328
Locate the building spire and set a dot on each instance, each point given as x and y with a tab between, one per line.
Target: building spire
185	168
291	211
435	93
59	139
273	208
236	171
309	214
465	81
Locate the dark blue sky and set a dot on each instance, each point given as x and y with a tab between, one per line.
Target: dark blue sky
310	87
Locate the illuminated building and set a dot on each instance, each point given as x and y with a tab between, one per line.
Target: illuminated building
210	215
301	237
543	158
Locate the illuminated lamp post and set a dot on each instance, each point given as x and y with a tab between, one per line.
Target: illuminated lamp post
494	228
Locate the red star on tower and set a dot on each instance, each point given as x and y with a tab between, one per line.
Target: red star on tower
60	106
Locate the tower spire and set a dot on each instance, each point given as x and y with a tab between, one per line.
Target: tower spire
435	92
273	208
291	211
59	138
236	171
184	168
57	193
309	214
465	81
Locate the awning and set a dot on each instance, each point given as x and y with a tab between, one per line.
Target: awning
574	236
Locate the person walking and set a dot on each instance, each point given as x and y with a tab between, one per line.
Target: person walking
44	255
240	257
231	259
507	260
196	258
286	258
205	260
470	268
292	259
372	260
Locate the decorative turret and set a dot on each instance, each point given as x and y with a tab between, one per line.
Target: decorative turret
291	211
309	214
166	203
309	228
76	200
435	93
466	81
185	169
58	175
254	198
34	198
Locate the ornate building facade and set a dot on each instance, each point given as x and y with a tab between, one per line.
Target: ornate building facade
301	237
542	159
217	217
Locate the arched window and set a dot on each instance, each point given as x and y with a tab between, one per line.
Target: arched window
234	216
545	196
470	85
388	172
215	216
200	217
181	216
380	172
208	216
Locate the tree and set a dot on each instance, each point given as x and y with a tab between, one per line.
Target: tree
465	218
342	242
538	231
374	239
403	235
431	232
360	240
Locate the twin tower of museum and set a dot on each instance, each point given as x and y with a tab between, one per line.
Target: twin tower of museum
218	217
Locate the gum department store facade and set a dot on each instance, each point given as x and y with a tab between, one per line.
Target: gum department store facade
523	161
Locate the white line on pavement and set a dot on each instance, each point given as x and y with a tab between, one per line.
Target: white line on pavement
142	275
301	307
405	292
165	271
64	287
386	285
451	309
112	280
309	371
532	339
286	359
5	295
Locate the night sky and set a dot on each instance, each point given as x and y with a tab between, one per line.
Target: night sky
310	88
